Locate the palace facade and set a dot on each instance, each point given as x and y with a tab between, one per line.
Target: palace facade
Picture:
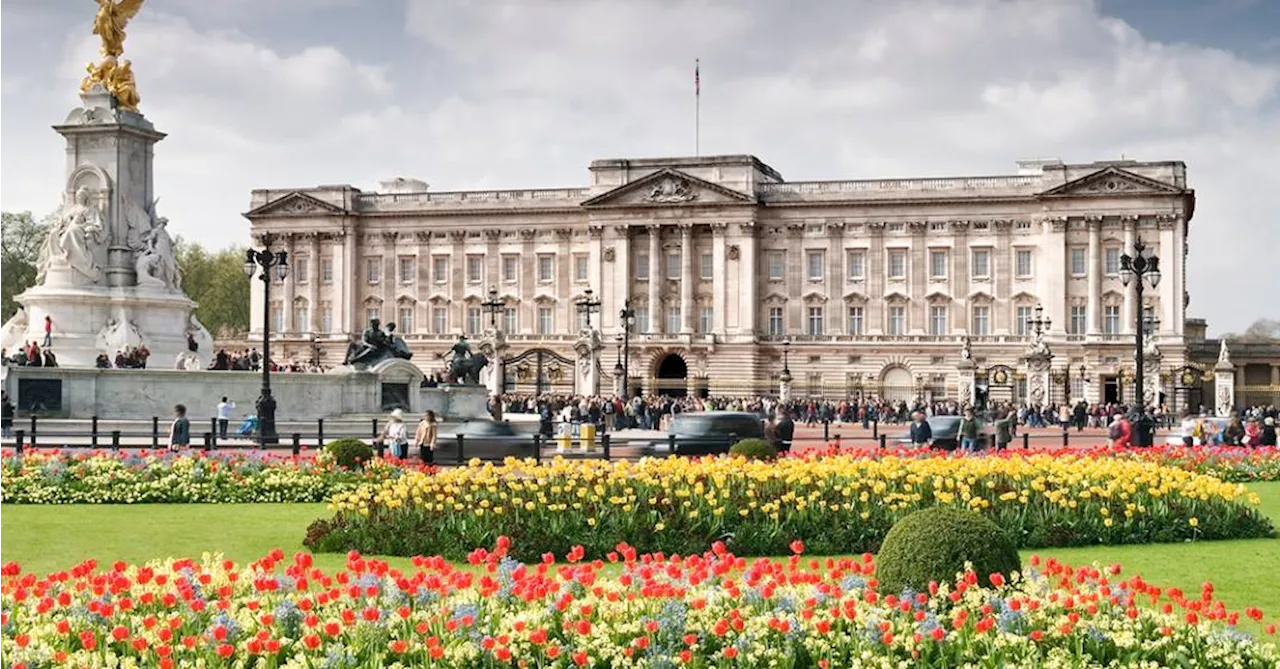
858	287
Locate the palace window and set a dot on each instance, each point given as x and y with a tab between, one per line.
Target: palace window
1078	265
510	319
980	265
897	264
1022	262
1022	321
938	264
706	266
326	270
371	313
857	263
545	268
439	320
981	320
440	269
642	267
301	269
673	319
897	321
1111	261
1076	325
776	265
405	324
580	268
642	319
407	267
1111	319
937	320
856	320
373	270
475	269
706	319
815	321
1077	388
814	380
1148	320
814	265
473	320
673	265
277	317
301	316
326	317
776	322
510	267
546	321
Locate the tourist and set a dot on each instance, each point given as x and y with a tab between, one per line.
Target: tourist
425	438
180	430
921	433
396	434
1268	437
102	361
1005	430
1252	433
1120	432
1234	432
225	408
48	331
786	429
968	431
6	416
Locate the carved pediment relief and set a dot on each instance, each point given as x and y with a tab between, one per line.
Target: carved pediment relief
896	296
1112	181
544	298
814	296
937	296
296	204
774	298
372	301
666	188
1022	296
406	298
855	296
980	296
439	299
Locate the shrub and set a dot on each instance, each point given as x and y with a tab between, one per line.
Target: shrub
934	545
754	449
349	453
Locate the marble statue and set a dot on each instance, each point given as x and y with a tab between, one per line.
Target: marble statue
73	239
1224	356
156	264
118	335
966	349
376	345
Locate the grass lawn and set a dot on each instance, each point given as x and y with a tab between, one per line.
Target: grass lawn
48	538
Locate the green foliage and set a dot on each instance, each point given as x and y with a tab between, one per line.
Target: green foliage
215	280
349	453
934	545
754	449
21	237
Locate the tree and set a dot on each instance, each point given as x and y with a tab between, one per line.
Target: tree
216	282
21	237
1263	329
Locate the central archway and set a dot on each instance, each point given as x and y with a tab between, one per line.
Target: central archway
673	374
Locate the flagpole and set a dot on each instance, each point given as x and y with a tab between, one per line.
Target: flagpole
697	108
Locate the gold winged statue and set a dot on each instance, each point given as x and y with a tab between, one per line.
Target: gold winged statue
114	74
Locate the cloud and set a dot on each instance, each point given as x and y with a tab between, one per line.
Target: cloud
524	93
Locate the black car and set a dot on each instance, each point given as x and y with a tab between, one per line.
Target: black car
946	433
708	432
484	439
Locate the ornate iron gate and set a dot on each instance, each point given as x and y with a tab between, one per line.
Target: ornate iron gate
544	368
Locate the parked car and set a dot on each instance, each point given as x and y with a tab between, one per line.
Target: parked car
708	432
484	439
1178	437
946	433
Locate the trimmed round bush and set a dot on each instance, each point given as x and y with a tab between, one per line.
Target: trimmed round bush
349	453
754	449
934	544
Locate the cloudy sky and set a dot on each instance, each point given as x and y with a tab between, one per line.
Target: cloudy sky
524	93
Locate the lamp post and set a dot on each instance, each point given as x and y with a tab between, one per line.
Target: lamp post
628	317
587	306
619	371
1139	268
261	262
1039	324
493	305
786	366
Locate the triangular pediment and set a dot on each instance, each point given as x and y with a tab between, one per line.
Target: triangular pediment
296	204
814	296
1112	181
980	296
937	296
896	296
668	187
855	296
775	298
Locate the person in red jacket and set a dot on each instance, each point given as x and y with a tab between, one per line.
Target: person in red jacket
1121	432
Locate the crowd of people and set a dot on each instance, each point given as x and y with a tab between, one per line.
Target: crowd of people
250	360
31	355
132	357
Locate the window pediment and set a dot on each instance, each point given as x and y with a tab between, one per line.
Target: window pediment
775	298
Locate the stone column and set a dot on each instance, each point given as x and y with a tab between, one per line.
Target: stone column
563	279
962	319
784	387
528	278
719	298
918	278
313	283
1095	274
875	270
623	275
1131	306
655	279
687	278
748	280
1224	384
288	292
350	309
833	322
967	384
1171	279
1052	273
1002	279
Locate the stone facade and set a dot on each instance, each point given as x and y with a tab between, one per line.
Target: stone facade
873	285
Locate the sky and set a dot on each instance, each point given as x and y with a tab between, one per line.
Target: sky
525	93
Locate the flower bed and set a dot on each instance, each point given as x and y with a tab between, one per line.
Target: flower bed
837	504
109	477
708	610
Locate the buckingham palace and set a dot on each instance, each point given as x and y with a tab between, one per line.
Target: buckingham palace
731	273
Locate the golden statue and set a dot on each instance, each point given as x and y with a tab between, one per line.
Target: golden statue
116	77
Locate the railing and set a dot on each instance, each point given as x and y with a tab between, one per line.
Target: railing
901	185
407	201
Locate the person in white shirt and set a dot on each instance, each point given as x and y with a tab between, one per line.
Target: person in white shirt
224	416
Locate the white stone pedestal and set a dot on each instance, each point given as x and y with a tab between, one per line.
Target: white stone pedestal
1039	379
494	346
967	385
784	387
588	369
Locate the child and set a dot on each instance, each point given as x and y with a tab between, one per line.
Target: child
180	430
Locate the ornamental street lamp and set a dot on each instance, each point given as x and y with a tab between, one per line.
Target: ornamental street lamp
264	260
786	377
1139	268
1039	324
588	306
494	306
619	371
628	317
